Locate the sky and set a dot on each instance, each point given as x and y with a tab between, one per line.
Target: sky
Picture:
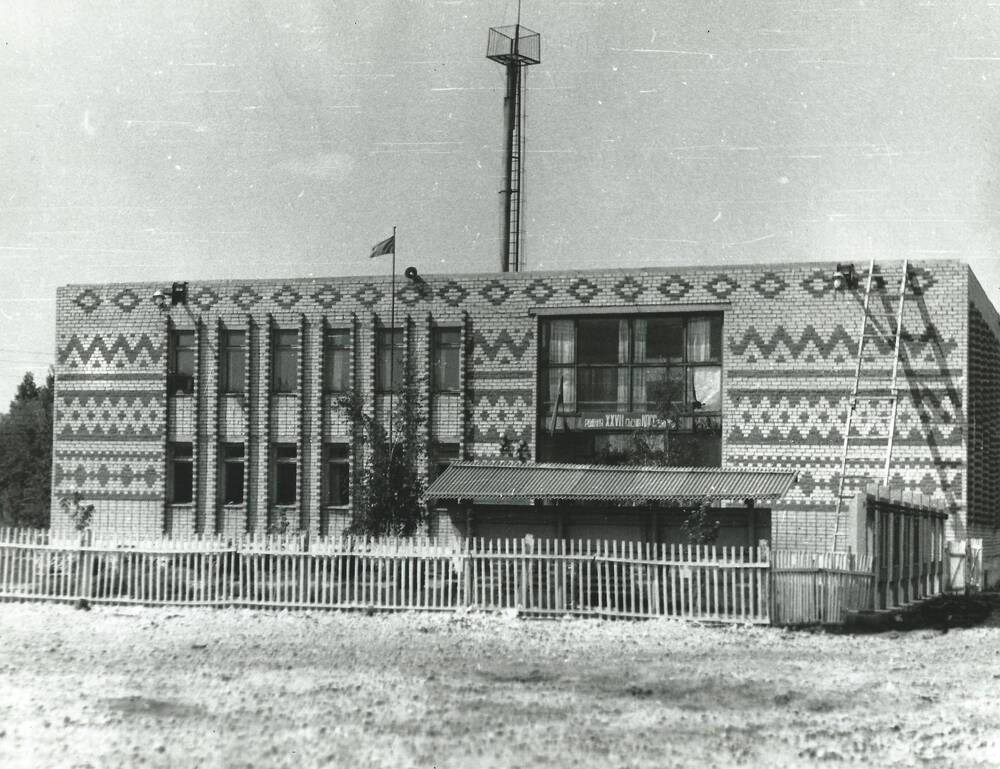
204	139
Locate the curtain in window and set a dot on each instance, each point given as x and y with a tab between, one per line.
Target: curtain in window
565	377
706	387
641	328
562	342
699	339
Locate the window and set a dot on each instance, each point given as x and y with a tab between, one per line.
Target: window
285	466
337	361
442	456
181	375
286	361
445	358
233	359
233	473
337	475
608	376
389	360
181	481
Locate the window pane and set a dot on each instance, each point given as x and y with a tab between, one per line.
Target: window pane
706	388
338	371
699	340
234	363
566	378
390	360
286	338
182	473
233	491
284	483
602	341
598	389
286	451
659	340
183	339
560	339
286	364
233	450
446	369
337	474
654	387
449	337
184	362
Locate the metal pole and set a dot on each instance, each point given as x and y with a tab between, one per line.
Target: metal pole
392	340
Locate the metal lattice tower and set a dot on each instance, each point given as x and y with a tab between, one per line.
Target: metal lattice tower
515	47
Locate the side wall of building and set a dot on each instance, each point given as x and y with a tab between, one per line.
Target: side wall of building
790	342
984	426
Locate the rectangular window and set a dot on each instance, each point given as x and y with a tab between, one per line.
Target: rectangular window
337	361
654	367
389	360
182	352
286	361
445	355
337	475
285	473
233	473
233	358
181	473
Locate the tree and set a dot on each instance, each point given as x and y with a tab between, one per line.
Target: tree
26	454
388	487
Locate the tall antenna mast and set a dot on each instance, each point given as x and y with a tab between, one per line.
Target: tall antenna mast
515	47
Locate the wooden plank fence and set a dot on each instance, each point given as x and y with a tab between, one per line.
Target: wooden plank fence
819	588
534	577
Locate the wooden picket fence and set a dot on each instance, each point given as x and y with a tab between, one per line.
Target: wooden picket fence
533	577
819	588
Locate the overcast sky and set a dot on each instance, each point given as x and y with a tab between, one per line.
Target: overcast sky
187	140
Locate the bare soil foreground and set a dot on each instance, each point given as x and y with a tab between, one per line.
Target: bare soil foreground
126	687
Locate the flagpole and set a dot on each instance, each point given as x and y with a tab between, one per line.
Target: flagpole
392	341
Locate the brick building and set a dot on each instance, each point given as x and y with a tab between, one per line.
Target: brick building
220	411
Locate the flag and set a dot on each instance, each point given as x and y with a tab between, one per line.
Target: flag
387	246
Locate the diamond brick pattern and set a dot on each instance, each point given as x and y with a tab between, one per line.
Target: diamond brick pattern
496	292
629	289
286	297
818	283
453	293
327	296
412	293
539	291
770	285
721	287
245	297
87	300
675	288
204	298
921	280
369	295
583	290
126	300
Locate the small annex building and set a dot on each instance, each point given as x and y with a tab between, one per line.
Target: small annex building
215	406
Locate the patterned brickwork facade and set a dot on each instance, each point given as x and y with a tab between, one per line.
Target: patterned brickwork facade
790	342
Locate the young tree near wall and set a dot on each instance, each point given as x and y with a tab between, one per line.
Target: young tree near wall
388	486
26	455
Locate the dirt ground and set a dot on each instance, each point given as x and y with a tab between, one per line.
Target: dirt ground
126	687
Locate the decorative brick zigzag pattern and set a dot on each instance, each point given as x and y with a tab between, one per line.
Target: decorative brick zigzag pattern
504	340
915	347
143	350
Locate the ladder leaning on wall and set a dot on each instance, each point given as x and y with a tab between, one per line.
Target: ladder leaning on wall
868	391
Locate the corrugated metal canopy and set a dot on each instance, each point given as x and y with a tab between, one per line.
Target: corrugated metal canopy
514	481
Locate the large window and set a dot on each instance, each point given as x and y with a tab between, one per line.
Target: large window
233	473
445	359
182	352
285	461
603	378
286	361
389	360
234	358
337	361
181	481
336	475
